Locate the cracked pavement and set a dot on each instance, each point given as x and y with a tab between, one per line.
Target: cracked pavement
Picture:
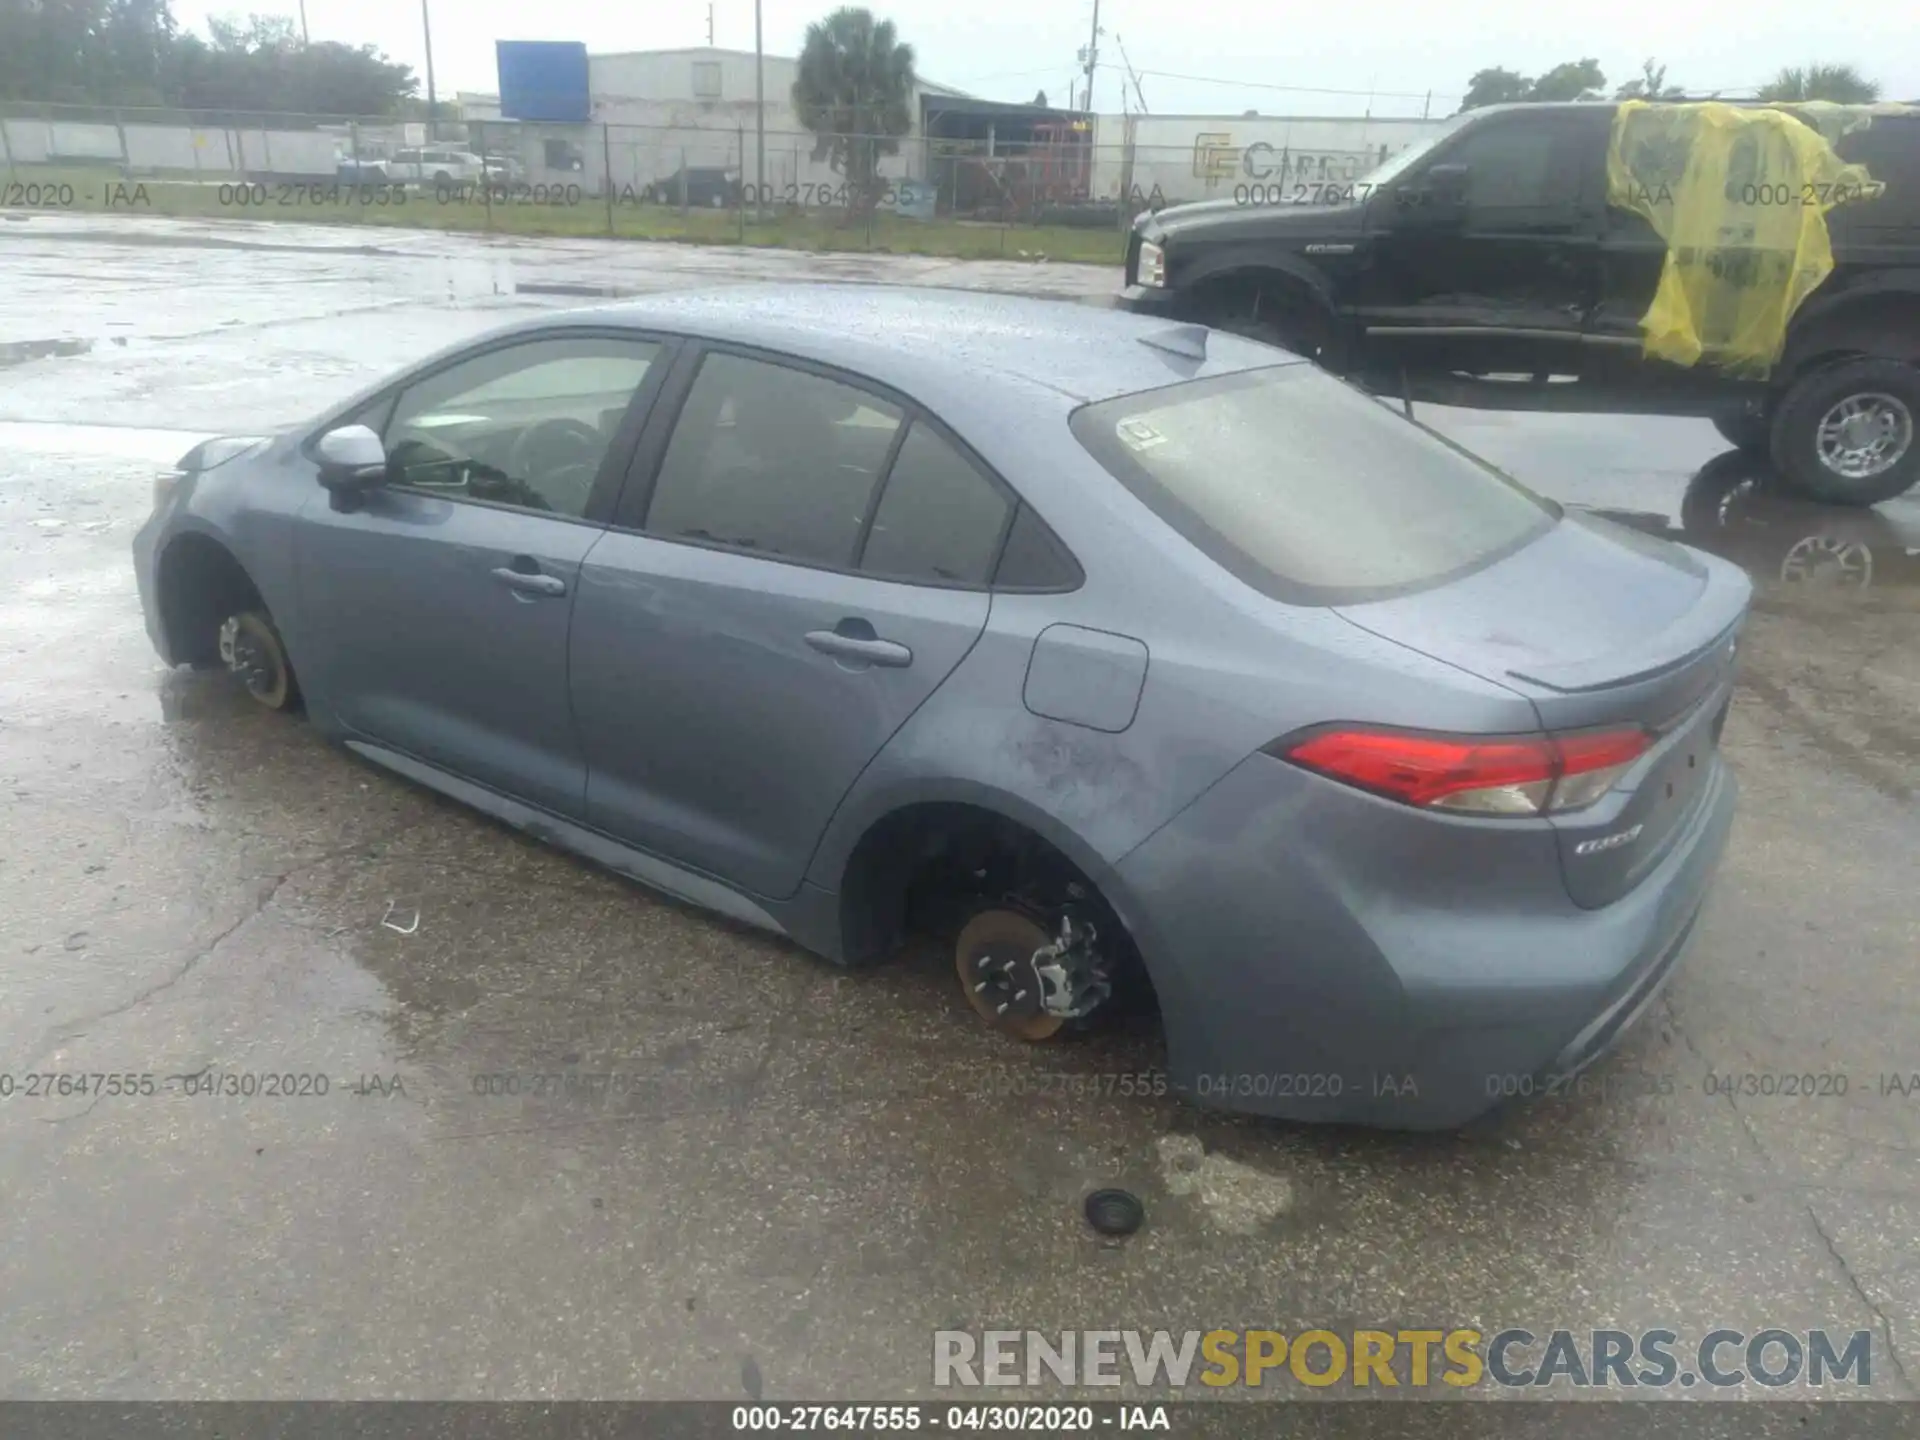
789	1172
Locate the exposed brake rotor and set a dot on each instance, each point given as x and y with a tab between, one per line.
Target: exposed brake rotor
1024	981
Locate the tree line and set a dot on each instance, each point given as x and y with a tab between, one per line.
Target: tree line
1583	80
133	53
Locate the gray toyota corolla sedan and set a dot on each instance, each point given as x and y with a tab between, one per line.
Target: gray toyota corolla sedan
1130	658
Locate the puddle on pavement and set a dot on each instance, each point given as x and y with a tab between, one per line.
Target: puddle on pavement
19	352
1238	1198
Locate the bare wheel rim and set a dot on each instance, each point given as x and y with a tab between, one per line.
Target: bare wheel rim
254	656
1829	562
1865	435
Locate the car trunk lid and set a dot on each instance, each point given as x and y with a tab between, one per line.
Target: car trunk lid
1598	626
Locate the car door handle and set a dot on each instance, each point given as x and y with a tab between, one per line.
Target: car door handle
855	647
527	582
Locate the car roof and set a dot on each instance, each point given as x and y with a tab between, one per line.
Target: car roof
919	338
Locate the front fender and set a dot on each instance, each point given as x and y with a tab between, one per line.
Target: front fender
1250	262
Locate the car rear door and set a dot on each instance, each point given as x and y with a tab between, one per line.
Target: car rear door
798	562
439	605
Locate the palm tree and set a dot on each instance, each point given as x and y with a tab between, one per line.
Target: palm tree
1840	83
1652	85
853	91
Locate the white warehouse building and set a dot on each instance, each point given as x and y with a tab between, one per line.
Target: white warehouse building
651	112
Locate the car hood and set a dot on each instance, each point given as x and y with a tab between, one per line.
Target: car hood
1230	218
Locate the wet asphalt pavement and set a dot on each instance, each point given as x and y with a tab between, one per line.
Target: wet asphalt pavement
797	1175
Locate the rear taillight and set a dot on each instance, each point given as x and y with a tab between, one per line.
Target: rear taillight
1472	774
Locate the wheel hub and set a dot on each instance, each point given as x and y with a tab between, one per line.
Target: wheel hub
1022	980
249	658
1865	435
1006	982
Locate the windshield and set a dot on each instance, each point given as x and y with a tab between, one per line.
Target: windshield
1394	166
1307	489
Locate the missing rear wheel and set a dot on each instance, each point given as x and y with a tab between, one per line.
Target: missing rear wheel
994	958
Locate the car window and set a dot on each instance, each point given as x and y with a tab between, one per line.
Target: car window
1514	165
939	518
526	426
1307	489
774	460
1034	558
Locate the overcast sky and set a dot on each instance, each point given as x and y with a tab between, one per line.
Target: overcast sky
1007	49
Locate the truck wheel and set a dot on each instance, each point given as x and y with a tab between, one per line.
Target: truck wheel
1746	427
1845	434
1294	328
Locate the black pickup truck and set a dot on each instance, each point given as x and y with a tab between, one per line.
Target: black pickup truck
1542	257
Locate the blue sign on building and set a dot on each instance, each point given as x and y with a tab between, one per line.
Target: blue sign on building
543	80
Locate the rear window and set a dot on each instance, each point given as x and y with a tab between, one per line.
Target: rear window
1307	489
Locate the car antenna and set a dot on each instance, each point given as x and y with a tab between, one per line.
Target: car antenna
1189	341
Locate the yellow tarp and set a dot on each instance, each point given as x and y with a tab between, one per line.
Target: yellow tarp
1740	195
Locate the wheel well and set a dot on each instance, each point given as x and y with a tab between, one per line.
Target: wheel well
200	585
1256	293
924	868
1883	325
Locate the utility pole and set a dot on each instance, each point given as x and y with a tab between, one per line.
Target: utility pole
759	117
303	24
709	24
1093	49
426	24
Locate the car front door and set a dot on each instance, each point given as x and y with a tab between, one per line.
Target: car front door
440	601
1488	256
797	564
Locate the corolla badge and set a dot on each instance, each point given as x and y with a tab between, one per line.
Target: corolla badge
1608	842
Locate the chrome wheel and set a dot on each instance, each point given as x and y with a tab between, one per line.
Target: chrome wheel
1865	435
1828	563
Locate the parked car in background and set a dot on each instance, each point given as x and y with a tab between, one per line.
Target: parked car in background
360	170
1121	658
702	186
436	165
1653	255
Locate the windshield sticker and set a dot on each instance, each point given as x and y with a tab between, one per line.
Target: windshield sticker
1139	435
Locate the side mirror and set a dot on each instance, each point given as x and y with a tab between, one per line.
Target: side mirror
1436	195
1449	179
352	460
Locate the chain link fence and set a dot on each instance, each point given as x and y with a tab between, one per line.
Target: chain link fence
1056	195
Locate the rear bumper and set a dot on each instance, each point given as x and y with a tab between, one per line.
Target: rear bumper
1304	973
